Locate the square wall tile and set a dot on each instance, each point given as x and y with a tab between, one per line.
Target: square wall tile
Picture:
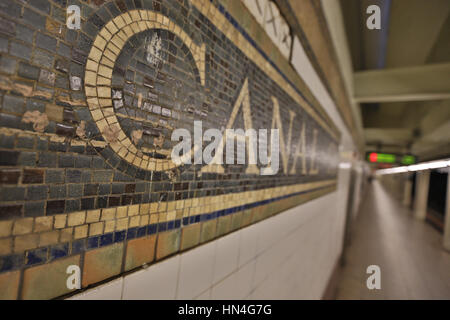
227	254
101	264
9	284
47	281
140	251
156	282
196	271
247	245
168	243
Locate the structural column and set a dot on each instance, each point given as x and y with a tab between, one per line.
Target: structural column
407	190
421	194
447	216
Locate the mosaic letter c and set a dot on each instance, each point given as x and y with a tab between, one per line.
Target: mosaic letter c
98	79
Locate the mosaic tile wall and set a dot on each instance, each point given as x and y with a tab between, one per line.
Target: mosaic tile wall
86	118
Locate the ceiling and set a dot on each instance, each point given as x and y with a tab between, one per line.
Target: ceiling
402	75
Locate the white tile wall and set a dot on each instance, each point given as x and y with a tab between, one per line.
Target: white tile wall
196	271
159	281
227	261
247	245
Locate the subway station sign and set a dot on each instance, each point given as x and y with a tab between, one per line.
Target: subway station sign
375	157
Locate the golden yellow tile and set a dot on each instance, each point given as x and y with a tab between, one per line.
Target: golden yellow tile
145	208
105	33
116	50
118	41
93	216
26	242
5	246
153	207
134	221
122	224
105	61
126	16
66	234
122	212
6	228
100	43
143	14
119	22
96	228
23	226
153	218
91	65
43	223
110	226
110	55
142	25
111	27
106	72
90	92
108	214
135	15
95	54
81	232
48	238
171	215
144	220
133	210
76	218
90	78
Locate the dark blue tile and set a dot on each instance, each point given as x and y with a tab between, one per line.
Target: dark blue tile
162	226
11	262
92	242
36	256
185	221
59	250
170	225
119	236
131	233
78	246
177	223
106	239
141	232
152	228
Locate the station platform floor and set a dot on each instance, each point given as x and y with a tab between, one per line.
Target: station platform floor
409	252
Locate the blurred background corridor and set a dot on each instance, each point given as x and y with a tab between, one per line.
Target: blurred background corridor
408	251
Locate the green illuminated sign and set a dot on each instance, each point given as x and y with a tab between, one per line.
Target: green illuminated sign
390	158
408	160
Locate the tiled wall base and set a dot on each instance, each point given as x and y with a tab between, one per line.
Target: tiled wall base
49	280
288	256
104	263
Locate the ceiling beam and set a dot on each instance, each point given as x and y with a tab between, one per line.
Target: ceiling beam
388	136
427	82
440	135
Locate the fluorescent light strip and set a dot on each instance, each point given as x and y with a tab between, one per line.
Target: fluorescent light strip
416	167
345	165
